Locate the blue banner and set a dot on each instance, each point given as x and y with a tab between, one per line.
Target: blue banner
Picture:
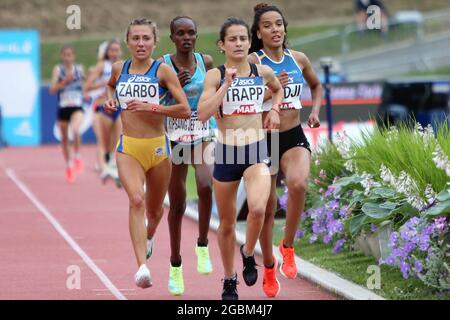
19	86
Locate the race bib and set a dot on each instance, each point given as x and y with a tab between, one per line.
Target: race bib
137	87
292	96
187	130
70	98
245	96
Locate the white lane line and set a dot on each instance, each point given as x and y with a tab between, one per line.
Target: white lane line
91	264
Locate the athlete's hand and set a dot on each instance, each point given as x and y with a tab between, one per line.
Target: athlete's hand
69	78
139	106
272	120
184	77
313	120
110	105
230	74
283	77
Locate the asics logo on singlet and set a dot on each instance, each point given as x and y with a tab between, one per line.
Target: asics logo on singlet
242	82
135	78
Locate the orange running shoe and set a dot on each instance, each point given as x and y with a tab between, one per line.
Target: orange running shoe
70	175
79	166
271	285
288	268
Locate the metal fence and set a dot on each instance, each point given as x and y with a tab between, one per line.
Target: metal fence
419	41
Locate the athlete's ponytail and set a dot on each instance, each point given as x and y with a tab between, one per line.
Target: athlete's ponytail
259	10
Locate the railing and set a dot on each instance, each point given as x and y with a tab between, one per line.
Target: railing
405	29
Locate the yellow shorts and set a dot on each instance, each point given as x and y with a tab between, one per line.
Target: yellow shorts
149	152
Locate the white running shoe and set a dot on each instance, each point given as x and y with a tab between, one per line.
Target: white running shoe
143	278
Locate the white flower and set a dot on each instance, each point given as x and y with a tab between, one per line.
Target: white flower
441	159
343	145
386	174
428	135
368	183
430	195
392	133
349	165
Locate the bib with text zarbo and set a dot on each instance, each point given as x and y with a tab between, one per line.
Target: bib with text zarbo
137	87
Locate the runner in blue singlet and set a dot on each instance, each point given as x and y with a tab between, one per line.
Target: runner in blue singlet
190	140
67	83
292	68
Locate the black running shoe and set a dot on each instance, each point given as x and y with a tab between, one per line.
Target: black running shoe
230	289
250	274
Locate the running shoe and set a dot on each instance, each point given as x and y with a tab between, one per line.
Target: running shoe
143	277
70	175
176	281
149	248
271	285
230	289
204	265
250	274
79	165
288	268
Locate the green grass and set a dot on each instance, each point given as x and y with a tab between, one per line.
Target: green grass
443	71
86	49
405	152
353	266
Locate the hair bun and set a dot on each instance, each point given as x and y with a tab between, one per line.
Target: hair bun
259	6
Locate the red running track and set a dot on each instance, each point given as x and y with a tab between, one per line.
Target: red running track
50	229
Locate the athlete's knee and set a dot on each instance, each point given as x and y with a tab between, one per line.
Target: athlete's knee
76	132
257	212
177	208
137	201
155	213
297	186
204	191
227	228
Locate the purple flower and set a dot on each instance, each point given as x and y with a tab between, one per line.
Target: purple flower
418	266
333	205
283	200
338	246
390	261
408	233
408	247
313	238
373	227
399	253
329	191
440	224
343	211
393	240
335	226
299	234
327	239
424	242
405	269
413	222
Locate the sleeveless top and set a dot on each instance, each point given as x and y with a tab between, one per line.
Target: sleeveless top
245	96
142	87
72	94
293	91
192	130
